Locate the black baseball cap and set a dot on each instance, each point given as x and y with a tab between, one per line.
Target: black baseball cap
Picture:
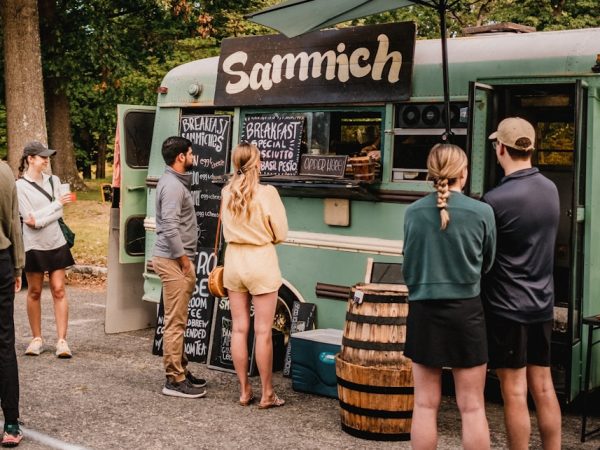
34	148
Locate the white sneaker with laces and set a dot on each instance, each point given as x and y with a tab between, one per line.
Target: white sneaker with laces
36	347
62	349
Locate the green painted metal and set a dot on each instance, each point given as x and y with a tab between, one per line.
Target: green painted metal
133	184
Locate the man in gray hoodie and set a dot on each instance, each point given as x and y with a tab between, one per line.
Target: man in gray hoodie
174	252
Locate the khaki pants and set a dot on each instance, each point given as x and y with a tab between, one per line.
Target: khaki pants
177	290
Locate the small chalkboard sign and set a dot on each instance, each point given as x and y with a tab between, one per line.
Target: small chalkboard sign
157	343
303	319
278	138
323	165
219	356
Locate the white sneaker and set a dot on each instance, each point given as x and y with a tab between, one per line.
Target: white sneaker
36	346
62	349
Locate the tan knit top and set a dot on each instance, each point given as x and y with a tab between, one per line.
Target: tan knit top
267	222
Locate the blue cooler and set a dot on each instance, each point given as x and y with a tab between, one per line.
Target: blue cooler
313	361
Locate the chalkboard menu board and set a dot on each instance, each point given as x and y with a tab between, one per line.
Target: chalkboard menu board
219	356
303	319
220	344
157	343
210	136
278	137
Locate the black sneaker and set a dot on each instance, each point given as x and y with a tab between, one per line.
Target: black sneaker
183	389
196	382
12	435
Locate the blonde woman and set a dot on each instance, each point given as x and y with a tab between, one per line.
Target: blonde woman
254	220
449	239
46	250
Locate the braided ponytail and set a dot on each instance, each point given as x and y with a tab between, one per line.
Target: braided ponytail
445	164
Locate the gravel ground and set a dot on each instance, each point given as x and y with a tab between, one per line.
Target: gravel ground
108	396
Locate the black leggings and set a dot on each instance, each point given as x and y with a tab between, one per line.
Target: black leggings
9	374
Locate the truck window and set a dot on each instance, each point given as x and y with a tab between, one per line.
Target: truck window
139	126
342	132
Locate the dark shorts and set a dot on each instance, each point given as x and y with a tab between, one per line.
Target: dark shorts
513	345
48	260
446	333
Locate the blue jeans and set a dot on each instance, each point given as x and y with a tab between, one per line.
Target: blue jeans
9	374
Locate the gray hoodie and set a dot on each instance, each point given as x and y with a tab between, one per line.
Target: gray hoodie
176	226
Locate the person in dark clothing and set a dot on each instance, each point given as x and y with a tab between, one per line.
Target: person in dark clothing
519	290
449	240
12	261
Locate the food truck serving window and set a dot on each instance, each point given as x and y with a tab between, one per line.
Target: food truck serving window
284	138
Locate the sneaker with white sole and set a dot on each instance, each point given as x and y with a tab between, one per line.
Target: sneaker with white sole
35	347
183	389
62	349
194	381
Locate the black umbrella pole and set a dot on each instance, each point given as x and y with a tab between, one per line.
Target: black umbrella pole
442	11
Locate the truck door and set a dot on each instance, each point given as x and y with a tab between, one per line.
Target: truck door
558	111
125	309
482	117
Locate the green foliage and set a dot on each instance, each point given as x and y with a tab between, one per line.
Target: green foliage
543	15
105	52
225	18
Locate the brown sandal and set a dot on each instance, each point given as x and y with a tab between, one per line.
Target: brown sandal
277	402
248	401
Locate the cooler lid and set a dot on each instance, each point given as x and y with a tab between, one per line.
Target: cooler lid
324	335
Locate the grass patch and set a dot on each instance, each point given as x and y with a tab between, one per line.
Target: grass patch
89	219
93	193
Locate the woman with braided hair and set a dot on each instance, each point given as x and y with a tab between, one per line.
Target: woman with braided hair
254	220
449	240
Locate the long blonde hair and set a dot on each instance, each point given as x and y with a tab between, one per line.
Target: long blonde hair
445	164
243	183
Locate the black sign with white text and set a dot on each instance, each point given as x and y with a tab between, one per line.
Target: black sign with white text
278	137
323	165
352	64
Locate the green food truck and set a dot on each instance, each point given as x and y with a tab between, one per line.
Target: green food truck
344	120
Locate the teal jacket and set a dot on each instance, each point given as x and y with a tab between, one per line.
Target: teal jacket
447	264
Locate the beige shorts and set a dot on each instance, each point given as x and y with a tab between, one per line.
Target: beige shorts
251	268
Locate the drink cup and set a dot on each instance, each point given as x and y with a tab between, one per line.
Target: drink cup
64	188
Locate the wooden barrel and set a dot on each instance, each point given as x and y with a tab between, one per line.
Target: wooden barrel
375	403
375	329
362	168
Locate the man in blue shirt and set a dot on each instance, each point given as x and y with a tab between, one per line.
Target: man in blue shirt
519	289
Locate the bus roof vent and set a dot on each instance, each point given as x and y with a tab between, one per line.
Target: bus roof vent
502	27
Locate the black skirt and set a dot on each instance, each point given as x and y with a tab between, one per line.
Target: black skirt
446	333
48	260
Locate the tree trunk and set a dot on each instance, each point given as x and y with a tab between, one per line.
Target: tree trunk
25	115
101	157
60	137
